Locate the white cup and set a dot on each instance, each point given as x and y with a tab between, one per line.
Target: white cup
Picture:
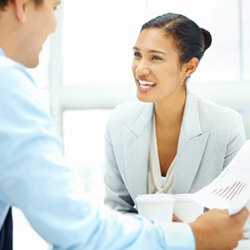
157	207
186	209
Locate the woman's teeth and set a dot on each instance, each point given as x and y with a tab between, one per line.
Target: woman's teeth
146	85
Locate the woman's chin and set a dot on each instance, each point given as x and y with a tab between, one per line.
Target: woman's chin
143	98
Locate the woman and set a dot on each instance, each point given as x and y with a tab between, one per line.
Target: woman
172	141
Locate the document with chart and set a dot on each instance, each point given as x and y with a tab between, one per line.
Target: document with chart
231	189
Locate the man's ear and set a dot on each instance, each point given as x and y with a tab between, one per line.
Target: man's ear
19	8
191	66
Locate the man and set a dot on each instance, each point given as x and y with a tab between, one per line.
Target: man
34	178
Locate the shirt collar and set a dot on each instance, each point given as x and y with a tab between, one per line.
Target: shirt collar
1	52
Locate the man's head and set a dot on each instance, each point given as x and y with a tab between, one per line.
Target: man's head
4	3
24	27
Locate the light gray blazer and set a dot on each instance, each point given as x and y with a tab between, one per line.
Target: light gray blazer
210	137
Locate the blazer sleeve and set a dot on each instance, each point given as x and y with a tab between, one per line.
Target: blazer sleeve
117	195
236	139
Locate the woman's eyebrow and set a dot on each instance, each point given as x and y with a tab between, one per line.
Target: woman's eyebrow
151	51
157	51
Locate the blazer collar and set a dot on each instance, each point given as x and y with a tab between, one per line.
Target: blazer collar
144	119
191	146
191	121
136	139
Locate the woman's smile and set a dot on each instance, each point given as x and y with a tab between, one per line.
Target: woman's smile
144	85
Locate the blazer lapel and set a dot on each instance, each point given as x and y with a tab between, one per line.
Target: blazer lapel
191	146
136	141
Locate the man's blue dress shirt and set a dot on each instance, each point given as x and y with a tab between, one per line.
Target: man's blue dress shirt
33	177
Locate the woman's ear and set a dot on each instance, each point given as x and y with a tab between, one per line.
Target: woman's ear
191	66
19	8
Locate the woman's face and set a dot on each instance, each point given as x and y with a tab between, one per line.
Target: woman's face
156	67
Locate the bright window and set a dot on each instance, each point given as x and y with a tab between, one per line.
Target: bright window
100	42
246	38
84	147
98	37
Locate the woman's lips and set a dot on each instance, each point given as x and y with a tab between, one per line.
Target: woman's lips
145	86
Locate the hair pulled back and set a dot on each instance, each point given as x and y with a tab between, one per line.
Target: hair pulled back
190	40
4	3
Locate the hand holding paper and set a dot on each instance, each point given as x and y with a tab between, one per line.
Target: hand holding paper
231	189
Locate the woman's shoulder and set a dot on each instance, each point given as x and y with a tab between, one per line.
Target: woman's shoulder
217	119
214	111
128	112
129	109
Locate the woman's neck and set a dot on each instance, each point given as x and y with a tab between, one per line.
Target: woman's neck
169	112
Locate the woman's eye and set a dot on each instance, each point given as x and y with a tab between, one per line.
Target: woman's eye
137	54
156	58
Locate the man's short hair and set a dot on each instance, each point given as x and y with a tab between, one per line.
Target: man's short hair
4	3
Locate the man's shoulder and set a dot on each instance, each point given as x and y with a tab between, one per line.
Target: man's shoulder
17	87
7	64
13	75
10	68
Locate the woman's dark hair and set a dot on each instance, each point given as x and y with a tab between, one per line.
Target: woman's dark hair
4	3
190	40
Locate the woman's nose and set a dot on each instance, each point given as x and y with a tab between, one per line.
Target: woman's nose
142	69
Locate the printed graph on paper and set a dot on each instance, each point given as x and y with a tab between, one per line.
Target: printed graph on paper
231	191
